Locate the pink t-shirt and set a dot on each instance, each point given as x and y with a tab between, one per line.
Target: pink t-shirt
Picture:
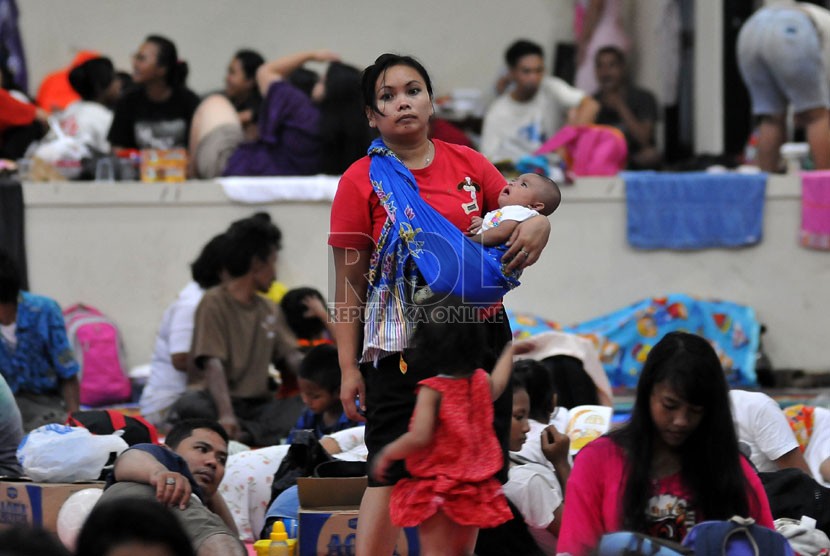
595	489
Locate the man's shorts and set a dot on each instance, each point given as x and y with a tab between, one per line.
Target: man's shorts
215	149
780	58
198	522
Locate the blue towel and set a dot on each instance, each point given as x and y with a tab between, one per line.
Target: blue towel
694	210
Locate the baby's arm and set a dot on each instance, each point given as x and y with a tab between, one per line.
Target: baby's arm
475	225
497	235
419	435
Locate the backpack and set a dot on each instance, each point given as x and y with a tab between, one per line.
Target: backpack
107	421
627	543
591	150
793	493
99	349
738	536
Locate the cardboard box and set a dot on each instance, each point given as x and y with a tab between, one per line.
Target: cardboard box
328	518
37	504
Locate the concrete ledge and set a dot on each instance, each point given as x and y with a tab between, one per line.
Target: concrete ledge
125	248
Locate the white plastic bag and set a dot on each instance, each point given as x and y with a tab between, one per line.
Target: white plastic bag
61	454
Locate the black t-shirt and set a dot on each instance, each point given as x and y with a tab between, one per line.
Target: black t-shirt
640	102
139	123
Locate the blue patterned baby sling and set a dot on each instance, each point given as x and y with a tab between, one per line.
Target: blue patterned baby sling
416	234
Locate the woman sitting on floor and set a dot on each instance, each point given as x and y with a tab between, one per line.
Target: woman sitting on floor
674	464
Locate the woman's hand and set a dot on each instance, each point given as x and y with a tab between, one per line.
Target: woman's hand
555	445
353	393
527	242
172	489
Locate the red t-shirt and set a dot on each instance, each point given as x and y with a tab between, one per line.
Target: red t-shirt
357	215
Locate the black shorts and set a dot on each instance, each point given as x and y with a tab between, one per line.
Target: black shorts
390	401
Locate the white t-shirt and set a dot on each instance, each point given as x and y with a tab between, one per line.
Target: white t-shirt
762	426
89	122
818	448
534	490
514	129
511	212
166	384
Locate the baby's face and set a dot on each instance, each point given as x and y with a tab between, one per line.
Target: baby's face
524	190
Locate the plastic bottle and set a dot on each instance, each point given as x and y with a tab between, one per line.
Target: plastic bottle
278	545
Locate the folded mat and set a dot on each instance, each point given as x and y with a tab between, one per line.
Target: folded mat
694	210
815	210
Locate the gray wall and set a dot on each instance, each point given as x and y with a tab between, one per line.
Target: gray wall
125	248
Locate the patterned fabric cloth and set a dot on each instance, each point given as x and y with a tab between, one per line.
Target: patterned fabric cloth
246	487
43	354
800	418
417	240
625	336
442	476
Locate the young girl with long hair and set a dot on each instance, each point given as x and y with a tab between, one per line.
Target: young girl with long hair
674	464
450	450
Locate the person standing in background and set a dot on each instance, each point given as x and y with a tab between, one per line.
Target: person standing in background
783	55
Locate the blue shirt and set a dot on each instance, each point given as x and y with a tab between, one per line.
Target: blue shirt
312	421
43	355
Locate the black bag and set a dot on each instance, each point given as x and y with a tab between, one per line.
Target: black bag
107	421
303	456
793	493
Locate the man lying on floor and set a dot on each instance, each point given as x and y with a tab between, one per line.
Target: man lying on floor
184	474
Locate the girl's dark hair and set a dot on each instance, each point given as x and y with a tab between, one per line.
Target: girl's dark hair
305	328
572	384
711	466
385	61
114	523
168	57
344	130
250	60
92	78
449	338
206	270
536	380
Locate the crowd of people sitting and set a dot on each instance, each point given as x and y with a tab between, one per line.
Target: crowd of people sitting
278	117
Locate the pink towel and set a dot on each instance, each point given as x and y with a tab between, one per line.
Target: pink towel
815	210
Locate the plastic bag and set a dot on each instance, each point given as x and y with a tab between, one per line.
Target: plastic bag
60	454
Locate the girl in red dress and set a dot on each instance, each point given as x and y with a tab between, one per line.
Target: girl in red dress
450	450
